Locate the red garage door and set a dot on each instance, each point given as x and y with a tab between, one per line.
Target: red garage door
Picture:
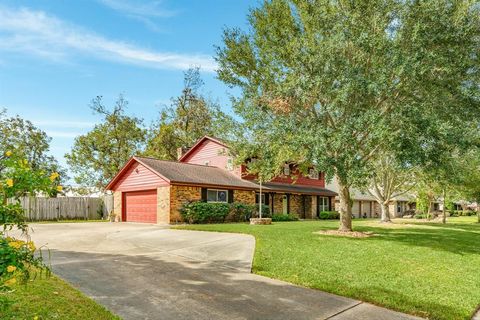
140	206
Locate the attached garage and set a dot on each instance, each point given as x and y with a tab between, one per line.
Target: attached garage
140	206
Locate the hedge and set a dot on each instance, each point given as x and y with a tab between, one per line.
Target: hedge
329	215
216	212
284	217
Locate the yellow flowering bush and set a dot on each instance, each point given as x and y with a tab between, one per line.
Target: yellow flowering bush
17	179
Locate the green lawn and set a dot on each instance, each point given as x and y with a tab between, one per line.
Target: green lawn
49	298
426	269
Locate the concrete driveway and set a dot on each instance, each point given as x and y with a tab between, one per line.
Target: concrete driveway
142	271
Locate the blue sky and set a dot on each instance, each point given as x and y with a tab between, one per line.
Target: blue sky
55	56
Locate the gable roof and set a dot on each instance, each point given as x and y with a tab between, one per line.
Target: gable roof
200	175
186	173
198	143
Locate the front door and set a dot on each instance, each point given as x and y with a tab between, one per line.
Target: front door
285	204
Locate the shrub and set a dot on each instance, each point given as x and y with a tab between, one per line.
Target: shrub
211	212
205	212
241	212
265	212
420	216
329	215
17	179
284	217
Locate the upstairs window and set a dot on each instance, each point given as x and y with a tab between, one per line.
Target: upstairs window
214	195
286	169
230	164
313	174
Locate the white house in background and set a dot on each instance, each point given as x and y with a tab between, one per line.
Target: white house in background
365	205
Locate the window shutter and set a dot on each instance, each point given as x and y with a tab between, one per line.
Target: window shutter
230	196
204	194
288	203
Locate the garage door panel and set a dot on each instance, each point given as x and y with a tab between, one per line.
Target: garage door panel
141	206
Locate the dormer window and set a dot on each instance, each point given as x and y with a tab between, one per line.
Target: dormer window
286	169
313	174
230	164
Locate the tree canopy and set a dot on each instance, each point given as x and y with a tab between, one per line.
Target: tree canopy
331	83
97	156
189	117
28	142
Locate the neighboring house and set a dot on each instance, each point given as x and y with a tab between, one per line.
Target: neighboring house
151	190
365	205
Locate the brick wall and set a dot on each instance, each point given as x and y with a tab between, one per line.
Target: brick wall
163	204
313	208
117	205
296	204
180	195
244	196
277	203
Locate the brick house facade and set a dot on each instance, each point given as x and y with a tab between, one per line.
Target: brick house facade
152	190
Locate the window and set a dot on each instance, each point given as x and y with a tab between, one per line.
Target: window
229	164
323	204
257	195
313	174
286	169
214	195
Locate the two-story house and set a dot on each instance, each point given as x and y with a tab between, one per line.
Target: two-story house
151	190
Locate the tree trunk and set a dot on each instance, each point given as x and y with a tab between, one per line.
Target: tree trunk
444	213
385	213
478	210
345	208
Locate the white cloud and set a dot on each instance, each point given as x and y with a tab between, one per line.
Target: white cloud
37	33
153	9
147	12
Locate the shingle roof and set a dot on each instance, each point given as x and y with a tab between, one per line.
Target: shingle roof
178	172
272	186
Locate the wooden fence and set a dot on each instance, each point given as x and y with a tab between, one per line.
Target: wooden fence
62	208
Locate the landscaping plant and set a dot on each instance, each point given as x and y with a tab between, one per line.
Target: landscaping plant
18	179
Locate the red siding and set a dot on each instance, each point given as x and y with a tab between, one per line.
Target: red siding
300	180
211	151
138	177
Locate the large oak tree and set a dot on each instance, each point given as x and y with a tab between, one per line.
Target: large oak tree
333	82
98	155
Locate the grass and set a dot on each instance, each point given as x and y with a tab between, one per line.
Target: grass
426	269
49	298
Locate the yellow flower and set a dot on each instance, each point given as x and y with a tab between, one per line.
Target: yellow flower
10	282
54	176
16	244
11	268
59	188
10	182
8	153
31	246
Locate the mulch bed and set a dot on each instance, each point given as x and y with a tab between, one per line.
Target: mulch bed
350	234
